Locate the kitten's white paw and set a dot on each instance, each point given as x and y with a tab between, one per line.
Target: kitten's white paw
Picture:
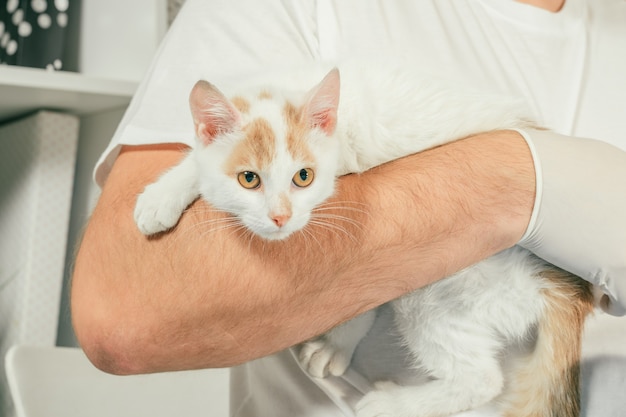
156	211
320	357
382	402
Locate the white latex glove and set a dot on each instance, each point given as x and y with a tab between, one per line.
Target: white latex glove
579	219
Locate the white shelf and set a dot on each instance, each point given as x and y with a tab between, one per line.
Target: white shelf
23	90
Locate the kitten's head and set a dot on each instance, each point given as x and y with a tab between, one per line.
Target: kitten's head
265	158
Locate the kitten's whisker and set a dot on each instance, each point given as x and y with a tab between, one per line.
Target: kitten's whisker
231	223
212	224
308	235
207	222
204	209
233	226
221	220
185	232
250	235
347	220
336	231
341	206
342	203
332	203
333	228
209	227
339	209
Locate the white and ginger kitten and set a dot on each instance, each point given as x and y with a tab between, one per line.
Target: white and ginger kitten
269	156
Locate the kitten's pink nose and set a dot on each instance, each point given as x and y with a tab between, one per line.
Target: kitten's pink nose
280	219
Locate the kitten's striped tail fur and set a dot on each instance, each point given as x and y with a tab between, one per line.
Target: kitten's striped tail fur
546	383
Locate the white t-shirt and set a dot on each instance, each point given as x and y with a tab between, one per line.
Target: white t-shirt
569	66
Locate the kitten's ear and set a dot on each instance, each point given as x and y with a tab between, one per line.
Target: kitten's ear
321	108
212	113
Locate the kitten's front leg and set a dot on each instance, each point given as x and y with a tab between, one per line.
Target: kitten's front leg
161	204
332	352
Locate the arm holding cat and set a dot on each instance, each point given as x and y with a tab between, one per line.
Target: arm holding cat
187	301
191	300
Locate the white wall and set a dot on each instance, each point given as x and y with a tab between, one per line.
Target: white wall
119	37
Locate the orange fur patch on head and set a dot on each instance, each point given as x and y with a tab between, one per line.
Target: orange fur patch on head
241	104
292	114
297	129
284	206
285	202
256	150
265	95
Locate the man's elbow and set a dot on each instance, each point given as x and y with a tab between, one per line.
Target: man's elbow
128	341
122	352
109	346
106	332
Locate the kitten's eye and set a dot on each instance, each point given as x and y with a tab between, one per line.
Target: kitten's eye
303	178
249	180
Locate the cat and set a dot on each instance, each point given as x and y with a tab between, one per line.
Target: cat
270	155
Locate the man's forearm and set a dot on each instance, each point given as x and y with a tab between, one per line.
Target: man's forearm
200	298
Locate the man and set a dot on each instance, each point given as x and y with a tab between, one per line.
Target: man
188	300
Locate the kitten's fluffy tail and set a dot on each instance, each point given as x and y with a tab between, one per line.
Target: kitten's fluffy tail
546	382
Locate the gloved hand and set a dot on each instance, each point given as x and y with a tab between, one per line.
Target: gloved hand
579	219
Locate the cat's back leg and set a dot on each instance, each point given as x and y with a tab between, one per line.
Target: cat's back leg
331	353
546	382
462	360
